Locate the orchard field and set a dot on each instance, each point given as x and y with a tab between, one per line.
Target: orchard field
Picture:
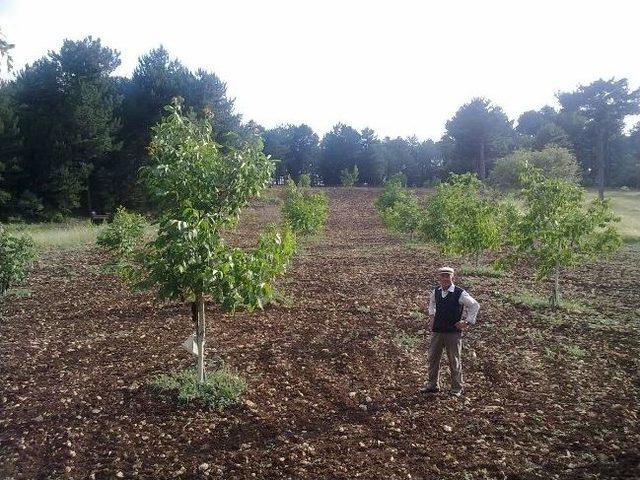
332	370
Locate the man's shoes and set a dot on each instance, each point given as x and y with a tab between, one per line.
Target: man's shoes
456	393
427	389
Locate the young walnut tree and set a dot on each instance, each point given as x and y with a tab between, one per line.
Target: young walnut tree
16	255
558	229
198	189
305	212
462	220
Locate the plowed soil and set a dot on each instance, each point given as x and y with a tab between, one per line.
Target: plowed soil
332	371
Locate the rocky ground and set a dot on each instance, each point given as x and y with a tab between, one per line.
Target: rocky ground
332	371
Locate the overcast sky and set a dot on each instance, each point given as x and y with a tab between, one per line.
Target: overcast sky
399	67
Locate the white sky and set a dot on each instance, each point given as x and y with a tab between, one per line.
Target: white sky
400	67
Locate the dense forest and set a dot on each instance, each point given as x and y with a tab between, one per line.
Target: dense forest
73	135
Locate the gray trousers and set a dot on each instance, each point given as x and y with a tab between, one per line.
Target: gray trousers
452	342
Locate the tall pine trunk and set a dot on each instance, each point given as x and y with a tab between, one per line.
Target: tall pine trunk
600	164
200	332
482	163
89	202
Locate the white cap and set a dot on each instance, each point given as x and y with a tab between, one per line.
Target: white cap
448	270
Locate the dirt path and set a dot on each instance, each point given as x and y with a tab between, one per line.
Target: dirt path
331	386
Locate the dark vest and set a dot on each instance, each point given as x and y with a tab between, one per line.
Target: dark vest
448	310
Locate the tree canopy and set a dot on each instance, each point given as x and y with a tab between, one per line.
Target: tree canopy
604	105
478	133
73	134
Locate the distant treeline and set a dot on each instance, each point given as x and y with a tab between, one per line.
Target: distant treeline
73	135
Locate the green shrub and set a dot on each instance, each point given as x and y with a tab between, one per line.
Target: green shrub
198	189
305	212
438	214
462	219
406	341
123	238
29	205
221	388
16	254
348	178
398	177
508	171
290	186
56	217
399	208
404	216
305	180
124	233
393	192
553	162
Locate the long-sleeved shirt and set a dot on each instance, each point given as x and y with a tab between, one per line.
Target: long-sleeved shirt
465	299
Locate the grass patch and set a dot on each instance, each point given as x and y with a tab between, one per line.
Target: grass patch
626	204
69	234
575	351
18	292
480	271
528	299
406	341
221	389
536	302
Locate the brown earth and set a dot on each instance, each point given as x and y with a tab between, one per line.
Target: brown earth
331	389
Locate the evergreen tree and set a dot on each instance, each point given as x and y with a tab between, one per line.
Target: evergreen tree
477	134
340	149
602	106
66	104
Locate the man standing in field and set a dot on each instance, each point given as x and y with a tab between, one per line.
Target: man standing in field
446	324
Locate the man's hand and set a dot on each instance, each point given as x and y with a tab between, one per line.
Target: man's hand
430	323
462	325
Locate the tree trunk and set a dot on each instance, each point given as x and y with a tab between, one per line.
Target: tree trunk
89	203
555	296
200	331
482	168
600	164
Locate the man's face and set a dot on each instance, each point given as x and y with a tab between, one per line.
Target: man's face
445	280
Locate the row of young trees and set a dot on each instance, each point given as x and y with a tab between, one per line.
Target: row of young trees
73	135
547	224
